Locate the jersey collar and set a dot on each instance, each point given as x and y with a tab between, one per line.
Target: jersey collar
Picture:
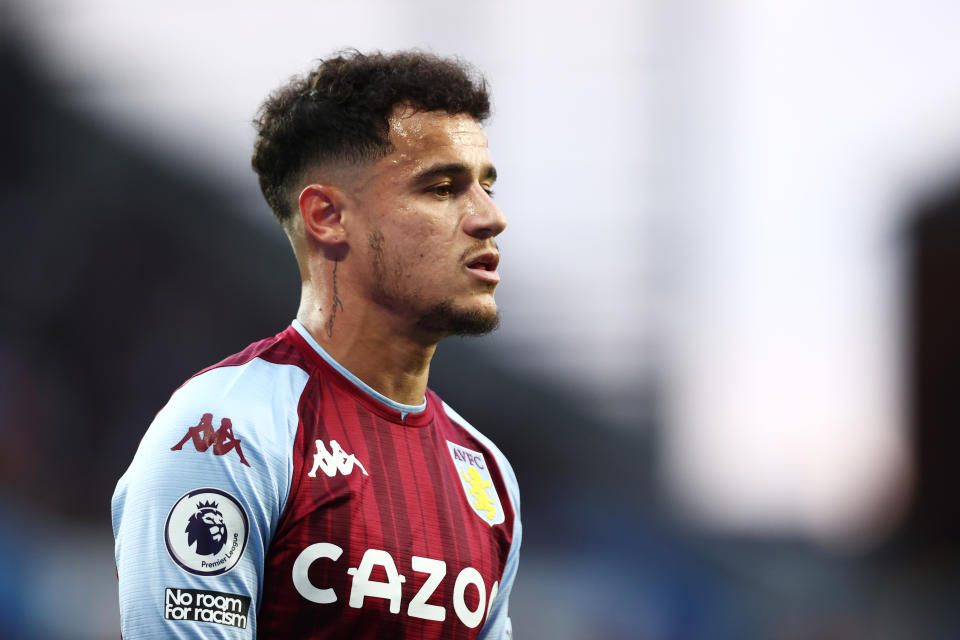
403	409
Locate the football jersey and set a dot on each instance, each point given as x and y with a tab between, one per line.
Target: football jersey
278	496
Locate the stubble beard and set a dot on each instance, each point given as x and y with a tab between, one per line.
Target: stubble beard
447	320
443	318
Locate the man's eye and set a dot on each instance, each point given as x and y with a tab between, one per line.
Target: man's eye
443	190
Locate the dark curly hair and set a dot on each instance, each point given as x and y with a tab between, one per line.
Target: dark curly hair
338	113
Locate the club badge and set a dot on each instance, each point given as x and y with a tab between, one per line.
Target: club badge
477	483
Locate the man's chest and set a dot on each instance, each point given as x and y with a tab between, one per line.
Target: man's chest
389	530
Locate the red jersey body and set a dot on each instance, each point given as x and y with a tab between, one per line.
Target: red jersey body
364	518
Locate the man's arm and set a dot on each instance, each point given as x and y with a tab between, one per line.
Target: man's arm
194	514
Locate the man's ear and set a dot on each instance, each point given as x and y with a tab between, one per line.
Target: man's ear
321	208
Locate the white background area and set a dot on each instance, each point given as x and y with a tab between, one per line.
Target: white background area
706	197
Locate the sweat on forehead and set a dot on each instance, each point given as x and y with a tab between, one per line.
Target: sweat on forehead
426	128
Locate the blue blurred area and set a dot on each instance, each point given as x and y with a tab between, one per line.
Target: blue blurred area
122	275
14	564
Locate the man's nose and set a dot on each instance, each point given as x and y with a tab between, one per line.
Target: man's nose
484	218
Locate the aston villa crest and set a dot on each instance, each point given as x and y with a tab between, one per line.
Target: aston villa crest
477	483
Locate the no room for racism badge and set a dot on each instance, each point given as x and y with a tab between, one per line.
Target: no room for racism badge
206	532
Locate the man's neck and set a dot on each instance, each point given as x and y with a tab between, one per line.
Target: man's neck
369	344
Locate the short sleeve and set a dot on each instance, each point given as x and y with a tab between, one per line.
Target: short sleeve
194	514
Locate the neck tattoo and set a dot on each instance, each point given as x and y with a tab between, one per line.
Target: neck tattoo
336	302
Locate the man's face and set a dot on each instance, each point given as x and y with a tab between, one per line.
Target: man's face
429	225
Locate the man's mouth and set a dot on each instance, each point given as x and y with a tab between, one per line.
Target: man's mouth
484	266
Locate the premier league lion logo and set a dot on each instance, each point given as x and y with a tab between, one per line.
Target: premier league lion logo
215	535
207	529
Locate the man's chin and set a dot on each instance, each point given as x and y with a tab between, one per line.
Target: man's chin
448	320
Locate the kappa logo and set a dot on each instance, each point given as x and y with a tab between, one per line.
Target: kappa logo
333	461
477	483
204	435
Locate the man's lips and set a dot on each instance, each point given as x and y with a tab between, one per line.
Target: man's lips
484	266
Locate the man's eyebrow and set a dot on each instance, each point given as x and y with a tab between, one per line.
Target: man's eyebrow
452	169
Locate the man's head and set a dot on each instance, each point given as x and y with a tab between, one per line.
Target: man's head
378	165
338	114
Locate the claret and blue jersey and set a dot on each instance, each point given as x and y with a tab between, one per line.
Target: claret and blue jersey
278	496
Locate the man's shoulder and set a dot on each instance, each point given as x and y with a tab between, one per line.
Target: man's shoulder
241	412
462	424
250	387
476	435
279	349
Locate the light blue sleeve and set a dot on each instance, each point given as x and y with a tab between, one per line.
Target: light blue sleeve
194	514
498	625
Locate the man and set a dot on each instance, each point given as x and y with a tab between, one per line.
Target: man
311	486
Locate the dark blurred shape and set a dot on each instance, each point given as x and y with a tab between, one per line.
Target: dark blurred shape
120	278
934	322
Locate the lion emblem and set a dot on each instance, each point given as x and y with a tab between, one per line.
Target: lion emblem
207	529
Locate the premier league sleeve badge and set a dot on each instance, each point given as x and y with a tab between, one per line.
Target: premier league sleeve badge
206	532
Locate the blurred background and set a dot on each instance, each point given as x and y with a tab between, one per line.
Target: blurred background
726	375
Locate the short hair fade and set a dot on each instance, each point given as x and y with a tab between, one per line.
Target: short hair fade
338	112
